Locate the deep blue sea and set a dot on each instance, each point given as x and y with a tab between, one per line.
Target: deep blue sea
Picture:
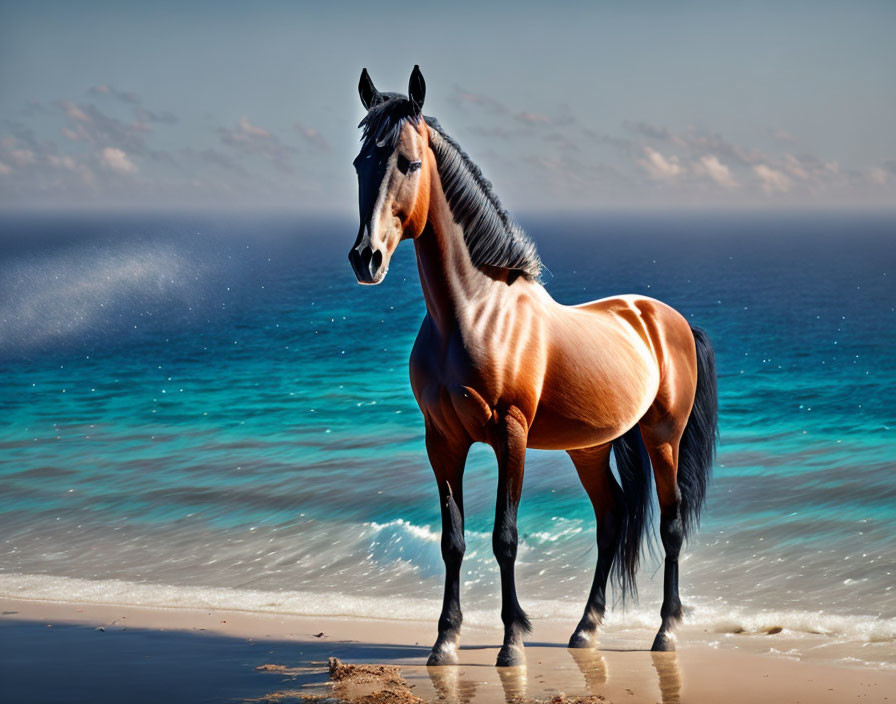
209	411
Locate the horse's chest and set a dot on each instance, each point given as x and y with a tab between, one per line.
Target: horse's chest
439	364
463	380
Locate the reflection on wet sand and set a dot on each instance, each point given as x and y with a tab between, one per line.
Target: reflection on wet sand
666	665
458	684
592	666
515	682
451	685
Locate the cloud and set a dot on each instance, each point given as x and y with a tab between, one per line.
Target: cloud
533	118
563	141
93	126
21	157
666	155
215	158
659	167
772	180
781	136
496	132
121	95
626	146
116	160
644	129
253	140
717	171
111	148
485	106
249	129
73	111
75	166
465	99
705	143
878	176
164	117
313	138
41	169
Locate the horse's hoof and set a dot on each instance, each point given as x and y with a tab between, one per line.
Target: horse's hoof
442	656
664	643
511	656
579	639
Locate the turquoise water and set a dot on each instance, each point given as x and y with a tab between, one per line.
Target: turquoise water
200	409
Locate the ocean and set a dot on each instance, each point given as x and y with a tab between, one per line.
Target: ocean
207	410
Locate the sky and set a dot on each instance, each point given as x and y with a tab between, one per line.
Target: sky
565	106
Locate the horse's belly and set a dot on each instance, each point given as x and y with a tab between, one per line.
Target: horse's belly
595	388
551	431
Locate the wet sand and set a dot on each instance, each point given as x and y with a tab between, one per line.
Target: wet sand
66	652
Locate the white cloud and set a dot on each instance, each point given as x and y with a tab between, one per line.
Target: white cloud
73	111
22	157
4	169
878	176
533	118
313	137
116	160
61	162
658	167
717	171
249	128
771	179
69	163
74	135
795	167
780	135
252	139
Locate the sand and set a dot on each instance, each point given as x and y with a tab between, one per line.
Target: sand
68	652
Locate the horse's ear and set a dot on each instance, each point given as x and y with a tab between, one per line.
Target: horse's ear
370	96
417	89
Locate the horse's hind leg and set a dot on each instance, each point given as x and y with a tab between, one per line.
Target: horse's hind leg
662	447
593	466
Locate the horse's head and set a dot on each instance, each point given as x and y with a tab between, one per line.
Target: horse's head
393	175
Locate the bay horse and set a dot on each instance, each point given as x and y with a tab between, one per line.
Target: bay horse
498	361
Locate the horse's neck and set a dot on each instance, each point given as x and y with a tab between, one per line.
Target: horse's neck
448	276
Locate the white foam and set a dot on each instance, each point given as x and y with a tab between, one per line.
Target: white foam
422	532
713	618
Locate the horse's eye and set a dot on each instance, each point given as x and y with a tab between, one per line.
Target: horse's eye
405	166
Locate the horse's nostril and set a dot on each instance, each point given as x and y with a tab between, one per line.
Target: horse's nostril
365	256
376	261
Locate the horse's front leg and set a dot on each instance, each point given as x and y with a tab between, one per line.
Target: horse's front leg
510	447
447	458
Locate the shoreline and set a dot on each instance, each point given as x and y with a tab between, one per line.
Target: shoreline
185	654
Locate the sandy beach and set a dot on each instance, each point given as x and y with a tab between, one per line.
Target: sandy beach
69	652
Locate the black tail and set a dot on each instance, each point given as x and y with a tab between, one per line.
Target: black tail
697	448
696	452
635	474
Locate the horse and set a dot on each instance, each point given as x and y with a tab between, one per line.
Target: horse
498	361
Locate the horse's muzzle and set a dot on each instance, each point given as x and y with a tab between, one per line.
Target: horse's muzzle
367	263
